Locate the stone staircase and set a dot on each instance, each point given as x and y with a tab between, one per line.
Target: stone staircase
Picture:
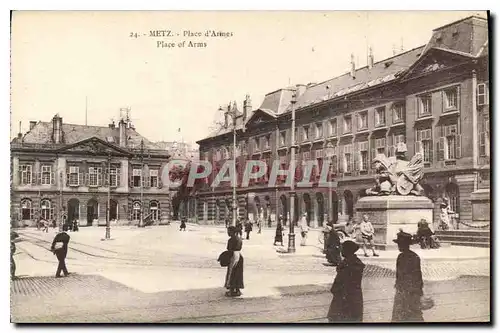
465	237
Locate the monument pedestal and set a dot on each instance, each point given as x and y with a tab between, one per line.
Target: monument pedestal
390	213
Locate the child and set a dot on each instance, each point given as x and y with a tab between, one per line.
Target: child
367	232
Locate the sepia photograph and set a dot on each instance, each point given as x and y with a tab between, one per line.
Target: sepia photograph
307	167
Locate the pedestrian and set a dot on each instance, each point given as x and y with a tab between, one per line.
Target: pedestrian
367	233
409	283
333	247
38	223
54	224
248	229
259	226
444	217
304	229
13	239
239	228
278	237
425	236
183	224
350	229
45	225
60	249
347	302
234	275
75	225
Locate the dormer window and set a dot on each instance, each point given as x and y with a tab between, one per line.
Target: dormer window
305	133
439	37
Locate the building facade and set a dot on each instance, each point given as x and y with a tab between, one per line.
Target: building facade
65	171
434	98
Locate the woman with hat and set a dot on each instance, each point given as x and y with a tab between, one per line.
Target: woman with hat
234	275
347	303
409	282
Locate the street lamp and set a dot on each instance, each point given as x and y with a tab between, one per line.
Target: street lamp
330	152
234	203
291	234
61	201
108	222
141	218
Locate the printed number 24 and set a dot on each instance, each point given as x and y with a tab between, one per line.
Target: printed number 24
134	34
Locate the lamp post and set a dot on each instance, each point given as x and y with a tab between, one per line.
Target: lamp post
61	201
108	222
141	217
235	204
291	234
330	151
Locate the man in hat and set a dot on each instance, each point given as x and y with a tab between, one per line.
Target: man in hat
60	249
304	229
347	303
409	282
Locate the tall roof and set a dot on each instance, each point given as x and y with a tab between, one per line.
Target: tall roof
41	133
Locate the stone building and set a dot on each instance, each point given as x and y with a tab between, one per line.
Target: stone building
434	98
68	170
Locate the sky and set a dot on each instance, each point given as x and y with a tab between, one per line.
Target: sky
70	62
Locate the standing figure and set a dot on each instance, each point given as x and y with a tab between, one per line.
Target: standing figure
367	232
75	225
239	228
259	226
409	283
304	229
248	228
444	216
278	237
333	248
183	224
13	236
60	249
347	302
234	275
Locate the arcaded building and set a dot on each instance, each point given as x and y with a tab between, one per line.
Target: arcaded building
434	98
66	170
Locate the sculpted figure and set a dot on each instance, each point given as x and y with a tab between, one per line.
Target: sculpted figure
397	175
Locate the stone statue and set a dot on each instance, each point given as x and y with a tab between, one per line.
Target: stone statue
396	175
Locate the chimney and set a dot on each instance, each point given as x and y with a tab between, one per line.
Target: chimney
301	88
20	134
57	131
370	58
112	125
353	67
122	127
32	124
247	107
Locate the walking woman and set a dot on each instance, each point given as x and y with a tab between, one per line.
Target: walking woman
234	275
409	283
278	237
347	303
333	247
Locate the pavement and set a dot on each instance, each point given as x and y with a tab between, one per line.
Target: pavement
148	274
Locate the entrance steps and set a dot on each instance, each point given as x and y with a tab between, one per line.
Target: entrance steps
465	237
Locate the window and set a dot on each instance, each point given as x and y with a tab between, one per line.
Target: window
46	210
73	179
225	153
347	124
154	208
347	158
424	105
363	120
205	156
153	178
46	174
136	211
136	177
380	116
450	142
305	133
484	136
363	156
482	94
95	176
266	141
380	145
398	112
451	98
424	144
332	131
113	177
26	174
255	142
282	138
26	210
319	131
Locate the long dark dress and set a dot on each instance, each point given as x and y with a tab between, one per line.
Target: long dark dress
234	275
278	237
347	302
333	248
409	288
